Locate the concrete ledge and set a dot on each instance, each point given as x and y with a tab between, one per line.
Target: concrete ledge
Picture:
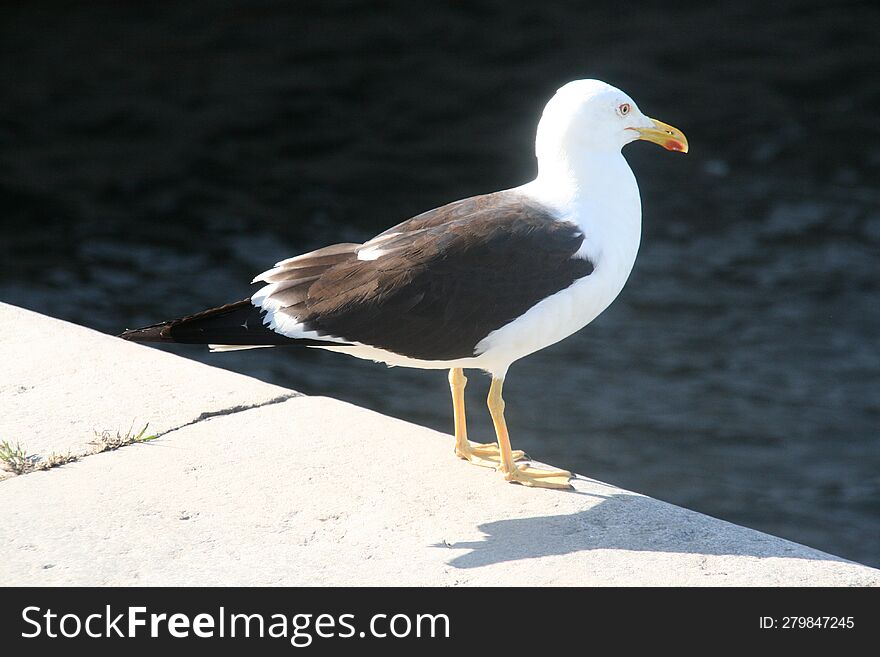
310	490
60	383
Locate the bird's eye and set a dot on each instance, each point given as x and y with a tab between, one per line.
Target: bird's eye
624	109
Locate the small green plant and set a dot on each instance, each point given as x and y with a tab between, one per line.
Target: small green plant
105	441
15	458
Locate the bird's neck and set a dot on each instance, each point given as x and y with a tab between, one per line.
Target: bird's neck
599	178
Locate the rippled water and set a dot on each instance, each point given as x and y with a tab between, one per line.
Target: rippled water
152	161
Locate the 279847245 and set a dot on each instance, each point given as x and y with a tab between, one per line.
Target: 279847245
807	622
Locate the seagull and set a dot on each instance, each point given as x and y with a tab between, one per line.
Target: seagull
475	284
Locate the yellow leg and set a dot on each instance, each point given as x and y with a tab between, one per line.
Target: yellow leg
525	475
485	455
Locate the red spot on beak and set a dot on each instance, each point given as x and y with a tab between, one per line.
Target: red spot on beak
673	145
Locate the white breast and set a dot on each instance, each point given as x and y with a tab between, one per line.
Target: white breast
603	199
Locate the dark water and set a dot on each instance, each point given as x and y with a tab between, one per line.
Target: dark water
153	160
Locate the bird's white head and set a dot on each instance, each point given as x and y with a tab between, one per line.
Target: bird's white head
592	116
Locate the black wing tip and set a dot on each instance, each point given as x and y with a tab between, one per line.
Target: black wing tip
154	333
239	323
162	332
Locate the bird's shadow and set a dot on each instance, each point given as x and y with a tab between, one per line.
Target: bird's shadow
621	521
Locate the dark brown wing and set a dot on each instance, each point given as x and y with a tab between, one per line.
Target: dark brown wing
442	281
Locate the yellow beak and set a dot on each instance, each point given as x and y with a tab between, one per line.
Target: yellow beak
672	139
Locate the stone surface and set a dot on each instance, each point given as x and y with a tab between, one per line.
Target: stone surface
60	383
310	490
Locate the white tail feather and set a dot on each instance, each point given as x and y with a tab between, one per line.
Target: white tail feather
236	347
